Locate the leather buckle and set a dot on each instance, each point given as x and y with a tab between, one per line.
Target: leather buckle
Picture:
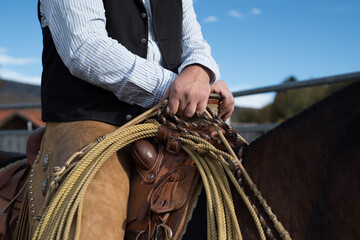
167	229
173	145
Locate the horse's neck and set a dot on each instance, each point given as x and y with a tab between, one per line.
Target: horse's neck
323	129
297	165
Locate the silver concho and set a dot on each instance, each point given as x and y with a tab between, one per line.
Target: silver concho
44	186
45	162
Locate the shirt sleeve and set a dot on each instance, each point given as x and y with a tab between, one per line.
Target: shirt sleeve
195	49
80	37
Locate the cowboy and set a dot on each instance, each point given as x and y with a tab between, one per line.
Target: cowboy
104	62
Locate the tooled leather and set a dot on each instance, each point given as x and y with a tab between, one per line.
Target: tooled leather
167	198
177	218
172	195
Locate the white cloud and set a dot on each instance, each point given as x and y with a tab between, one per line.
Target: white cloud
18	77
256	11
8	60
254	101
211	19
236	14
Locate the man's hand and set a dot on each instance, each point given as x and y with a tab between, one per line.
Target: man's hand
226	106
190	91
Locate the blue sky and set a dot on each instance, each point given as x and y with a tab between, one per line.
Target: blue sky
255	42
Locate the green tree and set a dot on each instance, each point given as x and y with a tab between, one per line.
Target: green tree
287	103
290	102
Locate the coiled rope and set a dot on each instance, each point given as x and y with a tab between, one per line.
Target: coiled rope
66	206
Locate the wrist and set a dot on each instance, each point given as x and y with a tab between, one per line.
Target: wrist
200	71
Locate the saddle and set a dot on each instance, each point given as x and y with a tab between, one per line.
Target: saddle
165	182
13	174
164	187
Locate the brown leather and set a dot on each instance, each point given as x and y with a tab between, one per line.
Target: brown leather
171	138
33	144
164	188
165	183
12	178
9	179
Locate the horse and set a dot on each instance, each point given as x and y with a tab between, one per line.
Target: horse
307	169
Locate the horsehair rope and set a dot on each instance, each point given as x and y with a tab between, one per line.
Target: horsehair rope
213	164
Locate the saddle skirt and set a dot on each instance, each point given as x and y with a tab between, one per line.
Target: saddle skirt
163	192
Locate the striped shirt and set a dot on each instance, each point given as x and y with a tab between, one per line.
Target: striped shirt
78	30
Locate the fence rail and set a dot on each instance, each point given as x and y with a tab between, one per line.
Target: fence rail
300	84
251	132
20	105
15	140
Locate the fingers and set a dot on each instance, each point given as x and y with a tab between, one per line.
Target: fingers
225	111
187	107
189	92
227	104
187	97
226	107
189	110
173	105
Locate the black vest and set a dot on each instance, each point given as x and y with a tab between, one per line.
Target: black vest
65	97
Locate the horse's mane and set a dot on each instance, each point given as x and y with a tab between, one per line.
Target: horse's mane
344	101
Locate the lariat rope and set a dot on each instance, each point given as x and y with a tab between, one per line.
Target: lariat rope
66	205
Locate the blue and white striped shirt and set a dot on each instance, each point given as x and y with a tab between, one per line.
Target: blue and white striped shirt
80	37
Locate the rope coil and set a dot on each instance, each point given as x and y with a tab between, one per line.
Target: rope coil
213	164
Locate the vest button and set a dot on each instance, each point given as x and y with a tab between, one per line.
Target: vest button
143	15
143	40
128	117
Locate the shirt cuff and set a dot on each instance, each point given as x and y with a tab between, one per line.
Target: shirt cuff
213	67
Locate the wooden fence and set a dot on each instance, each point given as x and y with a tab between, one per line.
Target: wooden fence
14	140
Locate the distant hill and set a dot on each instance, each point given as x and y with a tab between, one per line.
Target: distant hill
244	114
15	92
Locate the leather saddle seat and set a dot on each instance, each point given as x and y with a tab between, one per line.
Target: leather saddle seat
33	144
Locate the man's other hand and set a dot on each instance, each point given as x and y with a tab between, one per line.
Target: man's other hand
226	106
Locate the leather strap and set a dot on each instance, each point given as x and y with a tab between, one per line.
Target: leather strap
171	138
